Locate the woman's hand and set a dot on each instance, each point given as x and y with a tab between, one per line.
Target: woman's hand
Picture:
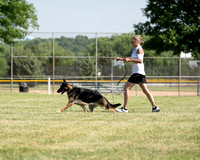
119	59
128	59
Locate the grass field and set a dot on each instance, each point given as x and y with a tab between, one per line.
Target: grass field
31	129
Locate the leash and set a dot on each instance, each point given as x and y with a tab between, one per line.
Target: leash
125	72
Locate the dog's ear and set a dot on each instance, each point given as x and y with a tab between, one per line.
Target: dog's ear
68	86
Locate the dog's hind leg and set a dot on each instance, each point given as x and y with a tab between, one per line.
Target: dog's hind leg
106	108
112	109
91	107
84	109
104	104
67	106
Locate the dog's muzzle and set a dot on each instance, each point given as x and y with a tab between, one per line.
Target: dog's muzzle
61	92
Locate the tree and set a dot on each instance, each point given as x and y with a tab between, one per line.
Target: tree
4	59
122	44
4	67
78	45
172	25
86	67
26	66
16	17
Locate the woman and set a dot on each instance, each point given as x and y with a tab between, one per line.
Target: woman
138	76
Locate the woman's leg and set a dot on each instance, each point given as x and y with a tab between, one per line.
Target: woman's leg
148	94
127	88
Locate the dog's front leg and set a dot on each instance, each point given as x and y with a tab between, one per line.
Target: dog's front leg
67	106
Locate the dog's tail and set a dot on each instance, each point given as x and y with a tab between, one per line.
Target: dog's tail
109	105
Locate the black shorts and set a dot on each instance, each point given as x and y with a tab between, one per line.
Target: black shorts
137	78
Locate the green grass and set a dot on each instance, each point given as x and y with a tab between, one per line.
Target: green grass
31	129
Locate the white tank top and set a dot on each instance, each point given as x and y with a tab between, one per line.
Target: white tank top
138	67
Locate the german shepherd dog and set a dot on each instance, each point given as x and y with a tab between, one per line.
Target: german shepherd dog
82	97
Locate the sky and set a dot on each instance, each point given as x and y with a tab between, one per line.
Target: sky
89	15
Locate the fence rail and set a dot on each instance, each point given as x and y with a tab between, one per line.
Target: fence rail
150	79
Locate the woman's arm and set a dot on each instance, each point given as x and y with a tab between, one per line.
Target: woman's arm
125	59
128	59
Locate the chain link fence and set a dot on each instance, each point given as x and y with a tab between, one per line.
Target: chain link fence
87	60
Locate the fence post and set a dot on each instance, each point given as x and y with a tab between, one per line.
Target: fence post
198	87
49	85
179	86
53	61
11	68
112	79
198	78
96	63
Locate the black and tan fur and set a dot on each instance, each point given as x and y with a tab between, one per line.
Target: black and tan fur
83	97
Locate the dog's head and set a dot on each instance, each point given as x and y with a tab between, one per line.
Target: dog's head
64	87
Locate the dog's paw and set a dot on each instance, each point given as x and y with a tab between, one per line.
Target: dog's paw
59	111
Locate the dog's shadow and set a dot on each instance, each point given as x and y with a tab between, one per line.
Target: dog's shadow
97	111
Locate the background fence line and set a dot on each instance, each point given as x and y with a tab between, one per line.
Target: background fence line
178	62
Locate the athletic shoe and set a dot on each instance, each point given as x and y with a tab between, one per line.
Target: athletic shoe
121	110
156	109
